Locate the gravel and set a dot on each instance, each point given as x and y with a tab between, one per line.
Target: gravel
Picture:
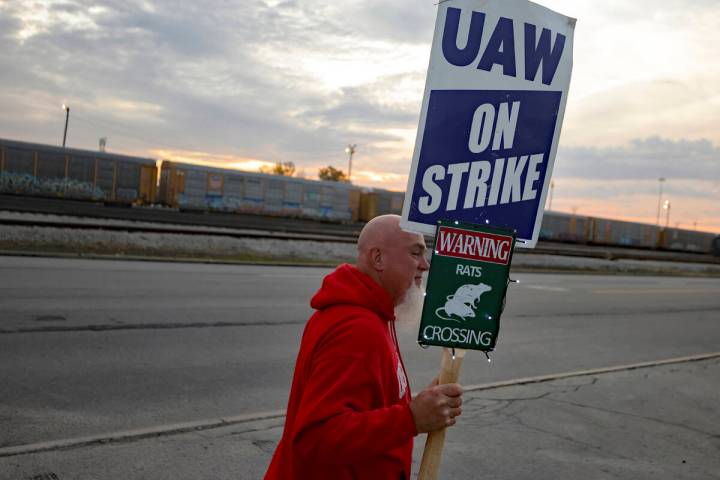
170	245
88	242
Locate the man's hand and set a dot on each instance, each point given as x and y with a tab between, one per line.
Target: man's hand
436	407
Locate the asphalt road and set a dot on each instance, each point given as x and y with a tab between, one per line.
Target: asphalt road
90	347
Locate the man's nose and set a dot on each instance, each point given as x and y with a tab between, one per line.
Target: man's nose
424	264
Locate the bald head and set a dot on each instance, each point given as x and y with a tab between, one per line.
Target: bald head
391	256
379	231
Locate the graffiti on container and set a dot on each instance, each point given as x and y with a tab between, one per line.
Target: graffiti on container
56	187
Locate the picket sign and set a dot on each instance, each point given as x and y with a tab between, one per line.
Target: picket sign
488	133
491	116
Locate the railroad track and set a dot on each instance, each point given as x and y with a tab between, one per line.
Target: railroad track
179	230
161	215
167	221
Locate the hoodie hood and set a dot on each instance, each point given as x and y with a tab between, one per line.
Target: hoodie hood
349	286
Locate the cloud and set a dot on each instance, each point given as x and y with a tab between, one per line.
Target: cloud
369	105
399	22
622	182
688	108
297	80
9	26
208	77
644	159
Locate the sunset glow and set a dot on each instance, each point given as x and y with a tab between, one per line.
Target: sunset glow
248	84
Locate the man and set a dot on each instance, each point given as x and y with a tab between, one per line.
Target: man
350	413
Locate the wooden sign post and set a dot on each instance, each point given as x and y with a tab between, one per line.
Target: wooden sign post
432	455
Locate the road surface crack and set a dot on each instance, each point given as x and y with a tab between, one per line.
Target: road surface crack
518	421
715	436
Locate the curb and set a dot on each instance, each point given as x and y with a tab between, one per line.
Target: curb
173	429
142	258
584	373
138	434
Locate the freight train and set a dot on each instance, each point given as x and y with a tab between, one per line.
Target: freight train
44	170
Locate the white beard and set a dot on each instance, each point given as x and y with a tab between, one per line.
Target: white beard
407	313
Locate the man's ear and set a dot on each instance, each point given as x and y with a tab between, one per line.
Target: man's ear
376	258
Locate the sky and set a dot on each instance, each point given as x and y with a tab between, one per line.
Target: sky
241	84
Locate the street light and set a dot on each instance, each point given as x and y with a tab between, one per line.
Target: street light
67	118
657	219
350	150
666	206
552	187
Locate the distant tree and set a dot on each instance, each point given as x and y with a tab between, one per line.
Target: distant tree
332	174
280	168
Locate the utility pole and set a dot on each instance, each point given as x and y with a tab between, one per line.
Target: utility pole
350	150
67	118
657	219
666	206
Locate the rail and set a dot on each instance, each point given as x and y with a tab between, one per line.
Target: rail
542	248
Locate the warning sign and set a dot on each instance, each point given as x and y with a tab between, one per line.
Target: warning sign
466	286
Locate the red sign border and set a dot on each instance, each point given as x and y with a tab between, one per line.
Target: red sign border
476	234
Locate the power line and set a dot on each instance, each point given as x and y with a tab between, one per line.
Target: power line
104	125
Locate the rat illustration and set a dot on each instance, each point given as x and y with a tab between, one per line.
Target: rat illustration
463	302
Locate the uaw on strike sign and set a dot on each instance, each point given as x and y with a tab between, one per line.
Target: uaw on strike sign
494	101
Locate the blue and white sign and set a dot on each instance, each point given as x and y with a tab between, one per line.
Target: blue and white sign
494	102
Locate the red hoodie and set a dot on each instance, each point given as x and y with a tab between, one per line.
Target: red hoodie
349	415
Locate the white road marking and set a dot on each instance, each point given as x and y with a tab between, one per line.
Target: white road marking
654	291
547	288
313	274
